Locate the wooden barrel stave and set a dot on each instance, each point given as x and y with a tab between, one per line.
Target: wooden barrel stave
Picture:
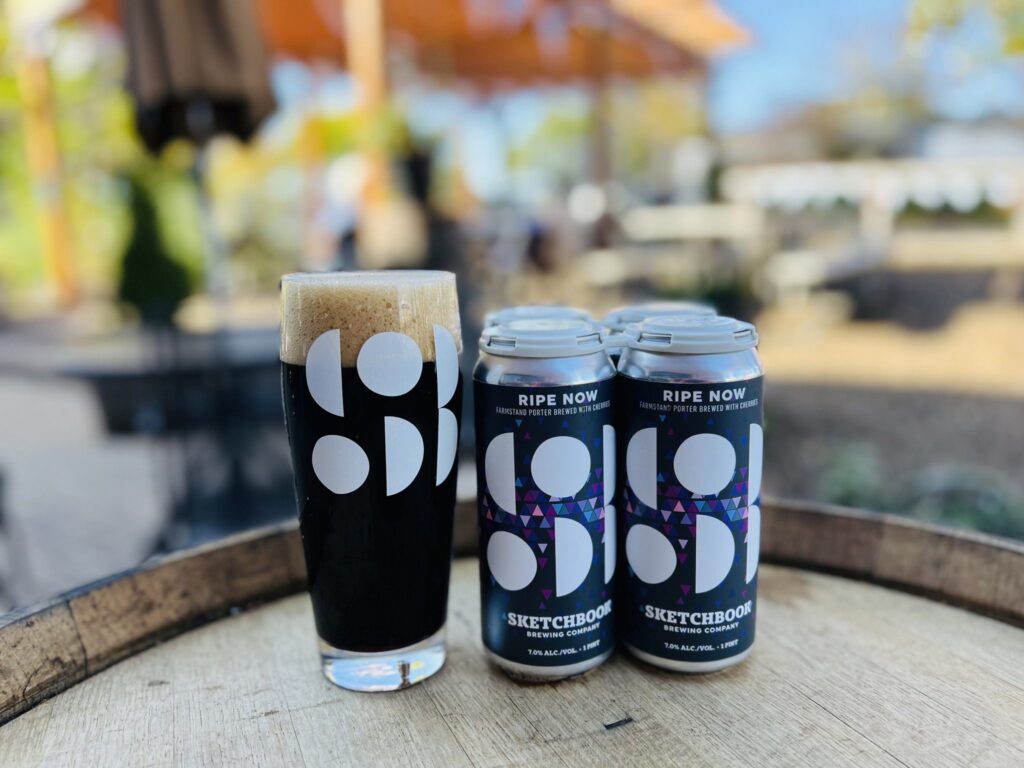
49	648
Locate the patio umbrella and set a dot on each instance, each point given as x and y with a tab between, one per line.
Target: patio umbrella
196	68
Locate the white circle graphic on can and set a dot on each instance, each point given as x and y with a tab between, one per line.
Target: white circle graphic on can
500	471
323	372
447	443
511	561
753	540
608	435
446	358
403	453
641	460
610	549
756	457
574	551
389	363
649	554
705	463
716	549
340	464
561	466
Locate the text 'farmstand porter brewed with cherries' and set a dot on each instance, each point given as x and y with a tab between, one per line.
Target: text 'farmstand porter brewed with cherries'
546	480
689	401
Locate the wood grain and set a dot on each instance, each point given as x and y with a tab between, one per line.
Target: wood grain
982	573
40	655
843	673
48	649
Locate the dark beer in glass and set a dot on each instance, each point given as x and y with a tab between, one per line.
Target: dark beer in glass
372	401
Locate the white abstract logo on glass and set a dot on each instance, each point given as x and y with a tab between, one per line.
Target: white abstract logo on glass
388	364
323	372
446	361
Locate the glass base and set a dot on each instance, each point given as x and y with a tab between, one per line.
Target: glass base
386	670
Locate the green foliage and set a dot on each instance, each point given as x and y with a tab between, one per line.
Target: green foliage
558	145
97	139
966	497
960	496
853	478
152	281
928	17
650	118
647	119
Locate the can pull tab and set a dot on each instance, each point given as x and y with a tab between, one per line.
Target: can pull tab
661	339
501	342
745	336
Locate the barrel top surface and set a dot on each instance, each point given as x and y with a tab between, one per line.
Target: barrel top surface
843	673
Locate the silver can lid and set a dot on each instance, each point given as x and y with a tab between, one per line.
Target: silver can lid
542	337
618	319
692	335
533	312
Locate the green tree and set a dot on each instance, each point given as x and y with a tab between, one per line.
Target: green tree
152	281
928	17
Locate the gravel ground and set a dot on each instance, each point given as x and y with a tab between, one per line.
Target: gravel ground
808	425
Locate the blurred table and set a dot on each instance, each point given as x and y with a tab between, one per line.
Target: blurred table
843	673
211	402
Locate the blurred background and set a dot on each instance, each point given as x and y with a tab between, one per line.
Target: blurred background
849	176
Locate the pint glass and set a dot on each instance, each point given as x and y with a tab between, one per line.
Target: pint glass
372	401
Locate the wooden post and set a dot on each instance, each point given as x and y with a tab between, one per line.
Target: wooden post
601	138
601	146
43	151
364	47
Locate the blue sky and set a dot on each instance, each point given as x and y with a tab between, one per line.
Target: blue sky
802	51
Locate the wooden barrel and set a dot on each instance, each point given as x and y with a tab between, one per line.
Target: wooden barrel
842	672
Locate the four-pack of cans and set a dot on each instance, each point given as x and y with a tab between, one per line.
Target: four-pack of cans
619	475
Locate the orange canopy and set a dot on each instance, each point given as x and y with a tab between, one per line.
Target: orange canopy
694	25
488	41
578	54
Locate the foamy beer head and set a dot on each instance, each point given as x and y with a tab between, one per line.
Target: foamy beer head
363	304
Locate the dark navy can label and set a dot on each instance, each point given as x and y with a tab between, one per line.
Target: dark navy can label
546	480
691	520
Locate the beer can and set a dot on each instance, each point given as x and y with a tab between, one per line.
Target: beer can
546	480
535	312
689	400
